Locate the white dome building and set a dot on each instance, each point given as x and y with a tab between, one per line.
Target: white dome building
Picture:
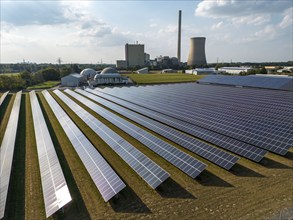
109	70
88	73
110	76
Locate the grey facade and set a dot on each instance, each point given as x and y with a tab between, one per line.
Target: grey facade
197	54
72	80
134	55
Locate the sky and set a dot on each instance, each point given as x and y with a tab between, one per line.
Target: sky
97	31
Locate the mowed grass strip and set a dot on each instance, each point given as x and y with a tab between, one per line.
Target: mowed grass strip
44	85
76	176
129	200
34	203
162	78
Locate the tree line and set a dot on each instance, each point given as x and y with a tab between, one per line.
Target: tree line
26	78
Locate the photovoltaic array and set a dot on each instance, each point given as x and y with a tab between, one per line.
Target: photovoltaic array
152	173
104	177
6	152
55	190
212	108
181	160
215	155
222	141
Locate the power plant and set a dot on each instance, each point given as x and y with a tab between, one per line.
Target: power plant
197	54
179	38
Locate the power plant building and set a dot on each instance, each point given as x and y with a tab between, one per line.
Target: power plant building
134	55
197	56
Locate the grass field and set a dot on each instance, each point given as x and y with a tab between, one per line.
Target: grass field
162	78
44	85
249	191
9	74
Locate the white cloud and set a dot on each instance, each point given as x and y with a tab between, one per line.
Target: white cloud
153	25
169	29
218	25
287	19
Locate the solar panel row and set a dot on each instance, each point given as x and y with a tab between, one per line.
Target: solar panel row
281	83
55	190
262	134
225	142
217	156
6	152
148	170
181	160
104	177
3	97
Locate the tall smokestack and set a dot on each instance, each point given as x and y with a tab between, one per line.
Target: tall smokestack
179	38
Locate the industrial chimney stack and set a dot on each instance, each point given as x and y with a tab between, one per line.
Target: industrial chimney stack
179	38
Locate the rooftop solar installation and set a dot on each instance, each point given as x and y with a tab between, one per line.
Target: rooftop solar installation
267	82
274	135
55	190
181	160
6	152
3	97
104	177
148	170
235	146
215	155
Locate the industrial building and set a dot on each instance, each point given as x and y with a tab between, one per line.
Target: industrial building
109	75
197	56
202	71
134	55
234	70
143	70
72	80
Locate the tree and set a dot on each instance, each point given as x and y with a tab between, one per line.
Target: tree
27	77
65	71
50	74
12	83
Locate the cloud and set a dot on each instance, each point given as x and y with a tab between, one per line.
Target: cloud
241	12
21	13
153	25
287	19
218	25
169	29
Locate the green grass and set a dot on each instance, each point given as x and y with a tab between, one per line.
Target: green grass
162	78
44	85
9	74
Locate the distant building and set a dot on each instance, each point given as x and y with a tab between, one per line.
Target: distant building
88	73
134	55
169	71
109	75
143	70
234	70
202	71
72	80
121	64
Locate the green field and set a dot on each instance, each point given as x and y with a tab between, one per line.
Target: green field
249	191
162	78
44	85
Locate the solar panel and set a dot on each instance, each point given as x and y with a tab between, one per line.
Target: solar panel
215	155
150	172
55	190
251	131
268	82
258	133
6	152
3	97
233	145
104	177
181	160
261	133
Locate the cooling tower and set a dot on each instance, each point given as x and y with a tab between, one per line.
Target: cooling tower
179	37
197	55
